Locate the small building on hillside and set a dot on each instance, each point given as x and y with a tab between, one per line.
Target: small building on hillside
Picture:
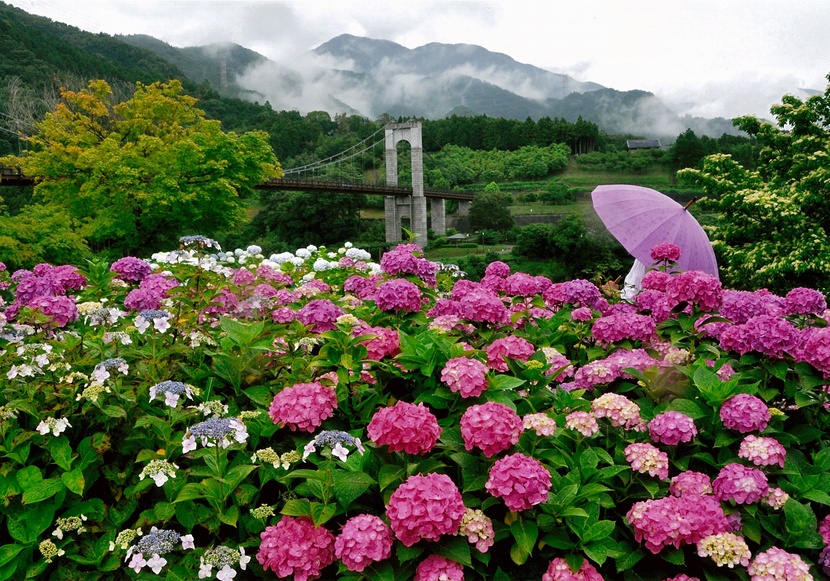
637	144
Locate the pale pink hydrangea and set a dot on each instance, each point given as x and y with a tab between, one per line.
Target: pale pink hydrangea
776	564
745	413
510	347
296	547
740	484
647	459
405	427
542	424
365	539
438	568
583	422
691	483
559	570
676	520
725	549
425	507
762	451
559	364
671	428
522	481
492	427
776	498
621	411
478	529
697	288
320	314
303	406
465	375
665	252
624	326
398	295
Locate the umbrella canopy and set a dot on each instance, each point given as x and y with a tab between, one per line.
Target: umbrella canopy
640	218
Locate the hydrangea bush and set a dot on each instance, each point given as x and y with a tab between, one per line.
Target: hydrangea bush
208	414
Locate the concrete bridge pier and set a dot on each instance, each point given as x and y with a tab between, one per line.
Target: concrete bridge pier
394	209
438	213
464	207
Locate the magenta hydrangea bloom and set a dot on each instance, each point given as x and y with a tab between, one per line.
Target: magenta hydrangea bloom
465	375
425	507
624	326
60	310
816	350
398	295
671	428
647	459
386	343
682	577
492	427
294	546
740	306
483	306
303	406
740	484
656	280
559	570
497	268
577	292
405	427
510	347
676	521
361	286
131	268
691	483
776	564
697	288
654	302
438	568
804	301
762	451
320	314
521	285
522	481
665	252
401	260
365	539
745	413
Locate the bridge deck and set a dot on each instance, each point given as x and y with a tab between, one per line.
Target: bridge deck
14	177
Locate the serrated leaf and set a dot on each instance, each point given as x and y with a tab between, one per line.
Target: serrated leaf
348	486
190	491
260	394
598	530
28	476
297	507
61	451
525	533
74	481
322	513
42	490
405	553
455	549
229	516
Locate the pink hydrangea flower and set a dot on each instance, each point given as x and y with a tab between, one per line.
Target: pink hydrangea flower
425	507
816	350
745	413
365	539
60	310
405	427
740	484
386	343
682	577
402	260
296	547
697	288
559	570
398	295
776	564
654	302
621	411
804	301
665	252
655	280
776	498
559	364
676	520
522	481
577	292
671	428
824	529
492	427
478	529
541	423
465	375
762	451
582	314
521	285
303	406
583	422
483	306
438	568
497	268
131	268
691	483
320	314
510	347
647	459
624	326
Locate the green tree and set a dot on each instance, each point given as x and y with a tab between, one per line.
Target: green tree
134	176
490	210
774	226
41	234
687	150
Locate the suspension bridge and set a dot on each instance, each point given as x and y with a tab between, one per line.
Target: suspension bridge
402	203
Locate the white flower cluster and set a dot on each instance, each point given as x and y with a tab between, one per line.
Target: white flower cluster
160	471
214	431
56	426
223	558
34	358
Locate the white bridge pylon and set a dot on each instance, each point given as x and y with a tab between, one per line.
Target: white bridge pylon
413	207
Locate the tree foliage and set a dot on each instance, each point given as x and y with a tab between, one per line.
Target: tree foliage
774	227
490	210
134	176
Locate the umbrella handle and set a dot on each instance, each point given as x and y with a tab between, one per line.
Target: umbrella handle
692	201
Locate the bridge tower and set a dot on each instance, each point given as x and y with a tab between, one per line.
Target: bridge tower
415	206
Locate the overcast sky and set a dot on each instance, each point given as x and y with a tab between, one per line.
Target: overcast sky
728	57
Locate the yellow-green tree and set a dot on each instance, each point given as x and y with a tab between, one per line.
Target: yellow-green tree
135	176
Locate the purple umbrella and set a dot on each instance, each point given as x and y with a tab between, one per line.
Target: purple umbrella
641	218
